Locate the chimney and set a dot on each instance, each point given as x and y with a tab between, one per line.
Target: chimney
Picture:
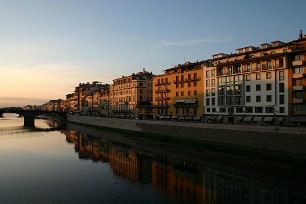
301	35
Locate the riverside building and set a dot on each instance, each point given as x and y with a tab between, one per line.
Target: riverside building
264	84
178	94
128	92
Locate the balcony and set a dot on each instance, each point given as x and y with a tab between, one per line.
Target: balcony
277	66
297	63
298	88
298	75
158	99
298	100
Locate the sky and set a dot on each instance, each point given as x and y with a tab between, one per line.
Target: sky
48	47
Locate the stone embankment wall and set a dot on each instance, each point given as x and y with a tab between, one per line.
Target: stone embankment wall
285	139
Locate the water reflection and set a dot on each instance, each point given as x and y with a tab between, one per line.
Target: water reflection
180	177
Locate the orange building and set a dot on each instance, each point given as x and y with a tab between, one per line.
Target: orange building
178	94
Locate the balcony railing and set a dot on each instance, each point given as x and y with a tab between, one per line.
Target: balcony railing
297	63
298	75
298	100
298	88
278	66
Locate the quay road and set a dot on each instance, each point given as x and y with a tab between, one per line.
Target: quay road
284	139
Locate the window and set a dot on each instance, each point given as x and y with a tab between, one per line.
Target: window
258	87
249	109
208	110
268	87
208	101
195	92
258	76
182	85
269	98
248	68
281	99
248	98
213	101
213	110
258	98
182	93
208	74
248	77
258	109
258	66
212	73
281	87
208	83
189	93
269	64
239	110
298	94
298	70
207	92
297	82
222	110
268	75
195	83
221	100
248	88
282	109
140	84
212	82
213	92
281	75
269	110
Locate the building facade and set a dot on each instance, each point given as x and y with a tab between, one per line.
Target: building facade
257	84
178	94
130	91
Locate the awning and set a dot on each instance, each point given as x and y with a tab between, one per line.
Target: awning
247	119
232	59
298	119
268	119
241	57
191	100
181	100
257	119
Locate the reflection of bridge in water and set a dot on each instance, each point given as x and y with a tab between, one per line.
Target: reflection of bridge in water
29	115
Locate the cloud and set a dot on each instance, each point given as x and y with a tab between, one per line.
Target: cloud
167	43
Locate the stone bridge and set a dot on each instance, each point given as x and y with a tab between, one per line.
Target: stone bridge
29	115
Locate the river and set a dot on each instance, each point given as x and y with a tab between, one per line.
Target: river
82	165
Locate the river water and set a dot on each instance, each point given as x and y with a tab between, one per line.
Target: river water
80	165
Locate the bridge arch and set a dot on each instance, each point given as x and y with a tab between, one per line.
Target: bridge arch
29	115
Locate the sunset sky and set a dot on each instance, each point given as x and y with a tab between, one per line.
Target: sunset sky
48	47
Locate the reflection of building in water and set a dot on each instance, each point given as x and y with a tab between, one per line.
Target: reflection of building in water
229	187
88	147
184	180
123	161
179	178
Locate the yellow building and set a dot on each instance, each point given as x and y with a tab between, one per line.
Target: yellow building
178	94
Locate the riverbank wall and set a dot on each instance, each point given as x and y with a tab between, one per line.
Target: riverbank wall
283	139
